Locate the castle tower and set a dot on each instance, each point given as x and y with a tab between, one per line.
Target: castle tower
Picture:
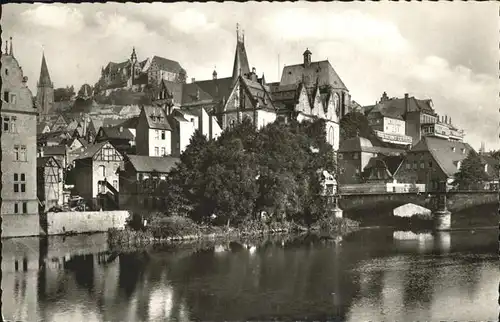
241	66
45	90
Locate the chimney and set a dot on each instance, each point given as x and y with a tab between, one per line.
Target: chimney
407	102
449	120
192	80
446	119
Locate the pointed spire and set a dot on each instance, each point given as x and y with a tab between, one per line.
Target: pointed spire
44	74
11	50
240	66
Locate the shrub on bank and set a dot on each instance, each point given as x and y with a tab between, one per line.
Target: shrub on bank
172	226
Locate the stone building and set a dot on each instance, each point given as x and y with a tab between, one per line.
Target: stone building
312	90
135	75
19	151
419	116
45	90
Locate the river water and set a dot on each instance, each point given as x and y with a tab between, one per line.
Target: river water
370	275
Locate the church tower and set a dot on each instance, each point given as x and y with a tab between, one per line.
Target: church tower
241	66
45	90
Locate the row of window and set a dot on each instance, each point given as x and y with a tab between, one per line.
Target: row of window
21	207
19	182
9	124
415	165
20	153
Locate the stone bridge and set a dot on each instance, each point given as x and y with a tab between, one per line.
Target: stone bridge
455	200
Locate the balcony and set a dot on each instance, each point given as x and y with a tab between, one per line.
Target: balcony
393	138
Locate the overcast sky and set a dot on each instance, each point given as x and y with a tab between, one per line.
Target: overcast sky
444	51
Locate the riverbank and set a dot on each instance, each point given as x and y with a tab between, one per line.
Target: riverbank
178	230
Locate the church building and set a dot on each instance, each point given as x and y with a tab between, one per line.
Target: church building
45	90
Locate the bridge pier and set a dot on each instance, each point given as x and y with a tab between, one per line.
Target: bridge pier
442	220
441	216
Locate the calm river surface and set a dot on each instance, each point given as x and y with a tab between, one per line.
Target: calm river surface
373	274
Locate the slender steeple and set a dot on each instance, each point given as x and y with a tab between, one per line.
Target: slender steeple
241	66
45	90
44	74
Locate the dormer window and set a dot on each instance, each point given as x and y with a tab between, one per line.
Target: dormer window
459	164
463	151
485	168
453	149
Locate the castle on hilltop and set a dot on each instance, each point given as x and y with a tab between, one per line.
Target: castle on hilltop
135	75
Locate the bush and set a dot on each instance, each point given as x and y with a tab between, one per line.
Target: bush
164	227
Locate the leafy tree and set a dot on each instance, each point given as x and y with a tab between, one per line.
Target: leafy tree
356	124
64	94
471	174
246	171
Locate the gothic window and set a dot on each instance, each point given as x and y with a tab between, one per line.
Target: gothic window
331	136
163	151
13	98
6	71
16	153
336	105
6	96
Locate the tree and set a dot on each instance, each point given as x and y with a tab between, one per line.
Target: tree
471	174
356	124
64	94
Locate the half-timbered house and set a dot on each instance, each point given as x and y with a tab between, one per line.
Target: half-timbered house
95	175
49	182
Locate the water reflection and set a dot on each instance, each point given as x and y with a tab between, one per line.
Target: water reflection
369	275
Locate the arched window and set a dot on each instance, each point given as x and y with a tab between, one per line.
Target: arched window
331	136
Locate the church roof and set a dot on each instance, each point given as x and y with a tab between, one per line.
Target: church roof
217	88
44	74
174	89
193	93
240	65
321	72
